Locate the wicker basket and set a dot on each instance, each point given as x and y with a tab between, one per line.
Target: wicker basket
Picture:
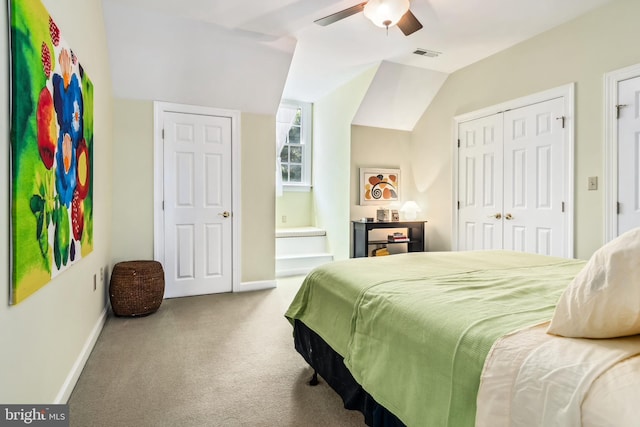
136	288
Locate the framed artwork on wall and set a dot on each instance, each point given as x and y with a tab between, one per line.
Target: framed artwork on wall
379	186
51	151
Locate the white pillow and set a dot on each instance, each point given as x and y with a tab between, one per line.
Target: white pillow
603	300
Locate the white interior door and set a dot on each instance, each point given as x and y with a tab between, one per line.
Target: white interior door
480	158
511	180
197	204
628	155
534	178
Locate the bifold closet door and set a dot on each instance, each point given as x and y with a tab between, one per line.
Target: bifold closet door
511	180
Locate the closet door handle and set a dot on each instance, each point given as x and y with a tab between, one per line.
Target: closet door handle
496	216
508	217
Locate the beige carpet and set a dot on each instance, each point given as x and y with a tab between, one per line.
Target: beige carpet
215	360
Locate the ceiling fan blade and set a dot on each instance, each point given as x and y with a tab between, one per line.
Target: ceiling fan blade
409	24
340	15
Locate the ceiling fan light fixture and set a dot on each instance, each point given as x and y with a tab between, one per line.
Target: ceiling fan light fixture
385	13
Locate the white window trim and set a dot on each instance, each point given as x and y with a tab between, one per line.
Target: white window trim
306	141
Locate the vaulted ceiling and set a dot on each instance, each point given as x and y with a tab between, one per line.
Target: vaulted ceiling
248	54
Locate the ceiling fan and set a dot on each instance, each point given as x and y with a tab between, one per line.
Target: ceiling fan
383	13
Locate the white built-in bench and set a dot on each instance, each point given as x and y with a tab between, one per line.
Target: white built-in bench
300	249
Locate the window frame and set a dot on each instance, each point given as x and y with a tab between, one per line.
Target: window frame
305	142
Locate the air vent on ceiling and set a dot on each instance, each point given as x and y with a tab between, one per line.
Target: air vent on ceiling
427	52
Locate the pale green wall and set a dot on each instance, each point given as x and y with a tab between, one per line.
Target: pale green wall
258	256
381	148
297	207
580	51
132	180
43	336
133	186
333	115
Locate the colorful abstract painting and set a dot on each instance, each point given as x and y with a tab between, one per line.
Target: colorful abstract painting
51	152
379	186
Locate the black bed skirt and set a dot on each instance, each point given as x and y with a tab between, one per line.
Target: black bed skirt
330	366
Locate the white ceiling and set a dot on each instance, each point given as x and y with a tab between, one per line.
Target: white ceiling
465	31
397	96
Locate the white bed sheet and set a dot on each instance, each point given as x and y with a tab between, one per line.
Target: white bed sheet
532	378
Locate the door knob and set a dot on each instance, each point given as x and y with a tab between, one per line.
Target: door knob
496	216
225	214
508	217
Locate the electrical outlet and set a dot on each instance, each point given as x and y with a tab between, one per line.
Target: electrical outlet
95	282
592	183
284	219
101	274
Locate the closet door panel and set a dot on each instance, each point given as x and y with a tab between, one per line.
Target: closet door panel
533	184
480	183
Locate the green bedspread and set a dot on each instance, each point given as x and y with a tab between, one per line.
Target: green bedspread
415	329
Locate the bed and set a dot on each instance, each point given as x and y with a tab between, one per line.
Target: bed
460	338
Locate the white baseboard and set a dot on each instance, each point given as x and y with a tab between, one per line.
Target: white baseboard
255	286
72	378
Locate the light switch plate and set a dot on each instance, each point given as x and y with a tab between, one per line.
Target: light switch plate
593	183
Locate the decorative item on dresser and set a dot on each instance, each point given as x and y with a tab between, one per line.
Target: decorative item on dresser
382	214
410	210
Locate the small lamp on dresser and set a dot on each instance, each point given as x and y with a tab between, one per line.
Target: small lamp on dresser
410	210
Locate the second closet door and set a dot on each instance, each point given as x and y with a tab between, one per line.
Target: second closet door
534	178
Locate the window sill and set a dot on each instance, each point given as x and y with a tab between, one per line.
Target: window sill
296	187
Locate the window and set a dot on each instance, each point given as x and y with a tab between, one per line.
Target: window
295	154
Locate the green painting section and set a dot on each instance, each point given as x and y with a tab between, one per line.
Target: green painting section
29	29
